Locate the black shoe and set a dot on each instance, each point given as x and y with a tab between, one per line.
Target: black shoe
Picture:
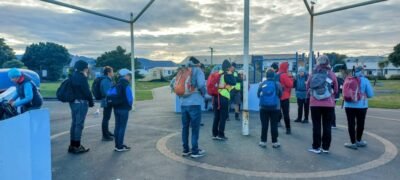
123	149
108	138
78	150
201	124
288	131
305	121
297	120
222	138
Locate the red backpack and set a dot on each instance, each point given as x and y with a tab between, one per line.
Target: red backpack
182	85
352	89
213	83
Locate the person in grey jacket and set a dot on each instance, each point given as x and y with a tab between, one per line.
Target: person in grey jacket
269	108
106	84
191	111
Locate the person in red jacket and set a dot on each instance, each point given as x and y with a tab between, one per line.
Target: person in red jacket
286	80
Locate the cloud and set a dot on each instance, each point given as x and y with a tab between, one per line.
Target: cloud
175	29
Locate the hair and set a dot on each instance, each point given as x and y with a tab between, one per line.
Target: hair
107	69
194	60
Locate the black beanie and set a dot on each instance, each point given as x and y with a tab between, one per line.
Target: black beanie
226	65
194	60
275	66
81	65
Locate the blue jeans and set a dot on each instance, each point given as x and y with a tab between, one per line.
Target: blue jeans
121	120
191	116
79	109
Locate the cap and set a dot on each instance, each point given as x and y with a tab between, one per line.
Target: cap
124	72
14	73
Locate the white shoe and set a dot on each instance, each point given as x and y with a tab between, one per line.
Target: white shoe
262	144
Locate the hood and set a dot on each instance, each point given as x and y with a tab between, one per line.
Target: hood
284	67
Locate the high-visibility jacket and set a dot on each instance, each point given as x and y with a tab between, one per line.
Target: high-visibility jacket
237	86
224	91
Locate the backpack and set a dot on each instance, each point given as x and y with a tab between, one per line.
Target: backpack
352	89
115	96
183	86
213	83
96	88
65	93
320	87
301	83
268	97
7	111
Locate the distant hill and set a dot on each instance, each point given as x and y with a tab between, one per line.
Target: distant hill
74	58
149	64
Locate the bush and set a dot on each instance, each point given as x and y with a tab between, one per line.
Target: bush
379	77
395	77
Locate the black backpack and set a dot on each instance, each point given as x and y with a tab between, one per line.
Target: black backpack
7	111
65	93
96	88
115	96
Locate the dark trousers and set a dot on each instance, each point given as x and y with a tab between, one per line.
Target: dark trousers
191	117
334	117
121	121
266	117
322	115
356	117
285	108
220	115
303	104
106	119
79	109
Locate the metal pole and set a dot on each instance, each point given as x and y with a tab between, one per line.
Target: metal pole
245	122
142	11
348	7
212	54
133	60
310	61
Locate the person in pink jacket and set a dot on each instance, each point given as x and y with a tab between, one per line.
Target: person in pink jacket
322	86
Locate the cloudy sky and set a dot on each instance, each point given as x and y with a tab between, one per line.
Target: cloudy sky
173	29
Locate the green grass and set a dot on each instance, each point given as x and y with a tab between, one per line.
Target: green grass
388	101
143	89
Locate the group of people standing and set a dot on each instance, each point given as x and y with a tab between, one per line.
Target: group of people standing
110	92
317	92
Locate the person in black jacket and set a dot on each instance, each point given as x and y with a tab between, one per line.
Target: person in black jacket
79	107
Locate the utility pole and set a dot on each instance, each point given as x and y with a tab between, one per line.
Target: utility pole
212	54
246	34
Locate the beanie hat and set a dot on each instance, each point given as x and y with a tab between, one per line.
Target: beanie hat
323	60
124	72
193	61
81	65
270	73
226	65
301	69
275	66
14	73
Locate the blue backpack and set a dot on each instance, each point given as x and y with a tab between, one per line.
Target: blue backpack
268	96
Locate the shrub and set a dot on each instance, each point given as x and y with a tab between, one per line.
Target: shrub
394	77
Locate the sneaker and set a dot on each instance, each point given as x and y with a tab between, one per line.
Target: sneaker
334	127
224	138
288	131
324	151
214	138
107	138
199	154
262	144
350	146
78	150
276	145
361	143
316	151
305	121
186	153
297	120
123	149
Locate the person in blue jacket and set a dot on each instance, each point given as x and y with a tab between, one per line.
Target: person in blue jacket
27	96
121	112
357	111
303	102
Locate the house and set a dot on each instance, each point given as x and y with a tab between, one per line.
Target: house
370	64
160	73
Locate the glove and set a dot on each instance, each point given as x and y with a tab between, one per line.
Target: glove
91	104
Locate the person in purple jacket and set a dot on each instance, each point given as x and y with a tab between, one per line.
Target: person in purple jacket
322	86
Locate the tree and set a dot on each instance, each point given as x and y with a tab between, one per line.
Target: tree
14	64
47	56
6	53
336	58
394	57
118	59
382	64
